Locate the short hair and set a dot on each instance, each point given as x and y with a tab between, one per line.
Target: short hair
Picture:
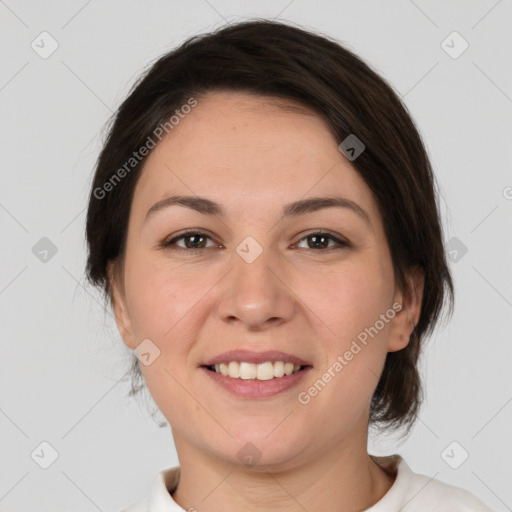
278	60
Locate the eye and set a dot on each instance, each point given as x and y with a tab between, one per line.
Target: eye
192	240
321	240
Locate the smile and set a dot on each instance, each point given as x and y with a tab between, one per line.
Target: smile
249	371
252	387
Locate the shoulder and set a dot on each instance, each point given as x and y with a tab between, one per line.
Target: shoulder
415	492
431	494
160	497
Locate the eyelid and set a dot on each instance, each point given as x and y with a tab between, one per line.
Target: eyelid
167	242
340	240
170	243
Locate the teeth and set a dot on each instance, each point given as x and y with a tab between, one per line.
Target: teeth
288	368
262	371
278	369
248	371
234	370
265	371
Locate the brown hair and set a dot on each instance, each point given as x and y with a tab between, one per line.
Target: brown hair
275	59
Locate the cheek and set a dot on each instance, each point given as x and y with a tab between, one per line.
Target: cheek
161	297
348	306
164	305
346	301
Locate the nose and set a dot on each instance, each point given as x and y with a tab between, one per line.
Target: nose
257	295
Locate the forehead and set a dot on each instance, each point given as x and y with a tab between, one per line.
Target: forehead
237	147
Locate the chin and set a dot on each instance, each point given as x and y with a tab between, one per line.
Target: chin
262	451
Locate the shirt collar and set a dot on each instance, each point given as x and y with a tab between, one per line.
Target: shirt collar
160	499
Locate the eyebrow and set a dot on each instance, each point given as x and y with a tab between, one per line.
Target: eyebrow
301	207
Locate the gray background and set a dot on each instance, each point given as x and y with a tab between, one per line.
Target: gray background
62	359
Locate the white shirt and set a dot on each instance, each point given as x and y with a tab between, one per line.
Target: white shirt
419	492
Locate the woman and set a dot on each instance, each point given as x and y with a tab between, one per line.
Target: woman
263	221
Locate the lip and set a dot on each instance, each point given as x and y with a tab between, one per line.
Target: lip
256	388
249	356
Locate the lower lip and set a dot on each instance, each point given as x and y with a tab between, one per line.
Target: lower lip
255	388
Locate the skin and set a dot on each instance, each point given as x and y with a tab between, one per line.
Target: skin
253	157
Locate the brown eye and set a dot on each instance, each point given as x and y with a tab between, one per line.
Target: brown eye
321	241
192	240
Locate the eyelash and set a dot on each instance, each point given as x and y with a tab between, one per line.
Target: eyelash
169	244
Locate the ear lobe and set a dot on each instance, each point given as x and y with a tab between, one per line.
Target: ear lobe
119	305
405	320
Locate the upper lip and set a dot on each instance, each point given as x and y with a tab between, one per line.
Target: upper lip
249	356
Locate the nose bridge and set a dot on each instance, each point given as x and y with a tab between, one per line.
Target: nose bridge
255	292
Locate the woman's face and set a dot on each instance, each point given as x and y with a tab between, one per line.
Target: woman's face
258	278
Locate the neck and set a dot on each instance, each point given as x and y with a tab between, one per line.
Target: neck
347	477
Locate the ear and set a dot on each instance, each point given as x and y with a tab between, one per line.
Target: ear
121	314
406	319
